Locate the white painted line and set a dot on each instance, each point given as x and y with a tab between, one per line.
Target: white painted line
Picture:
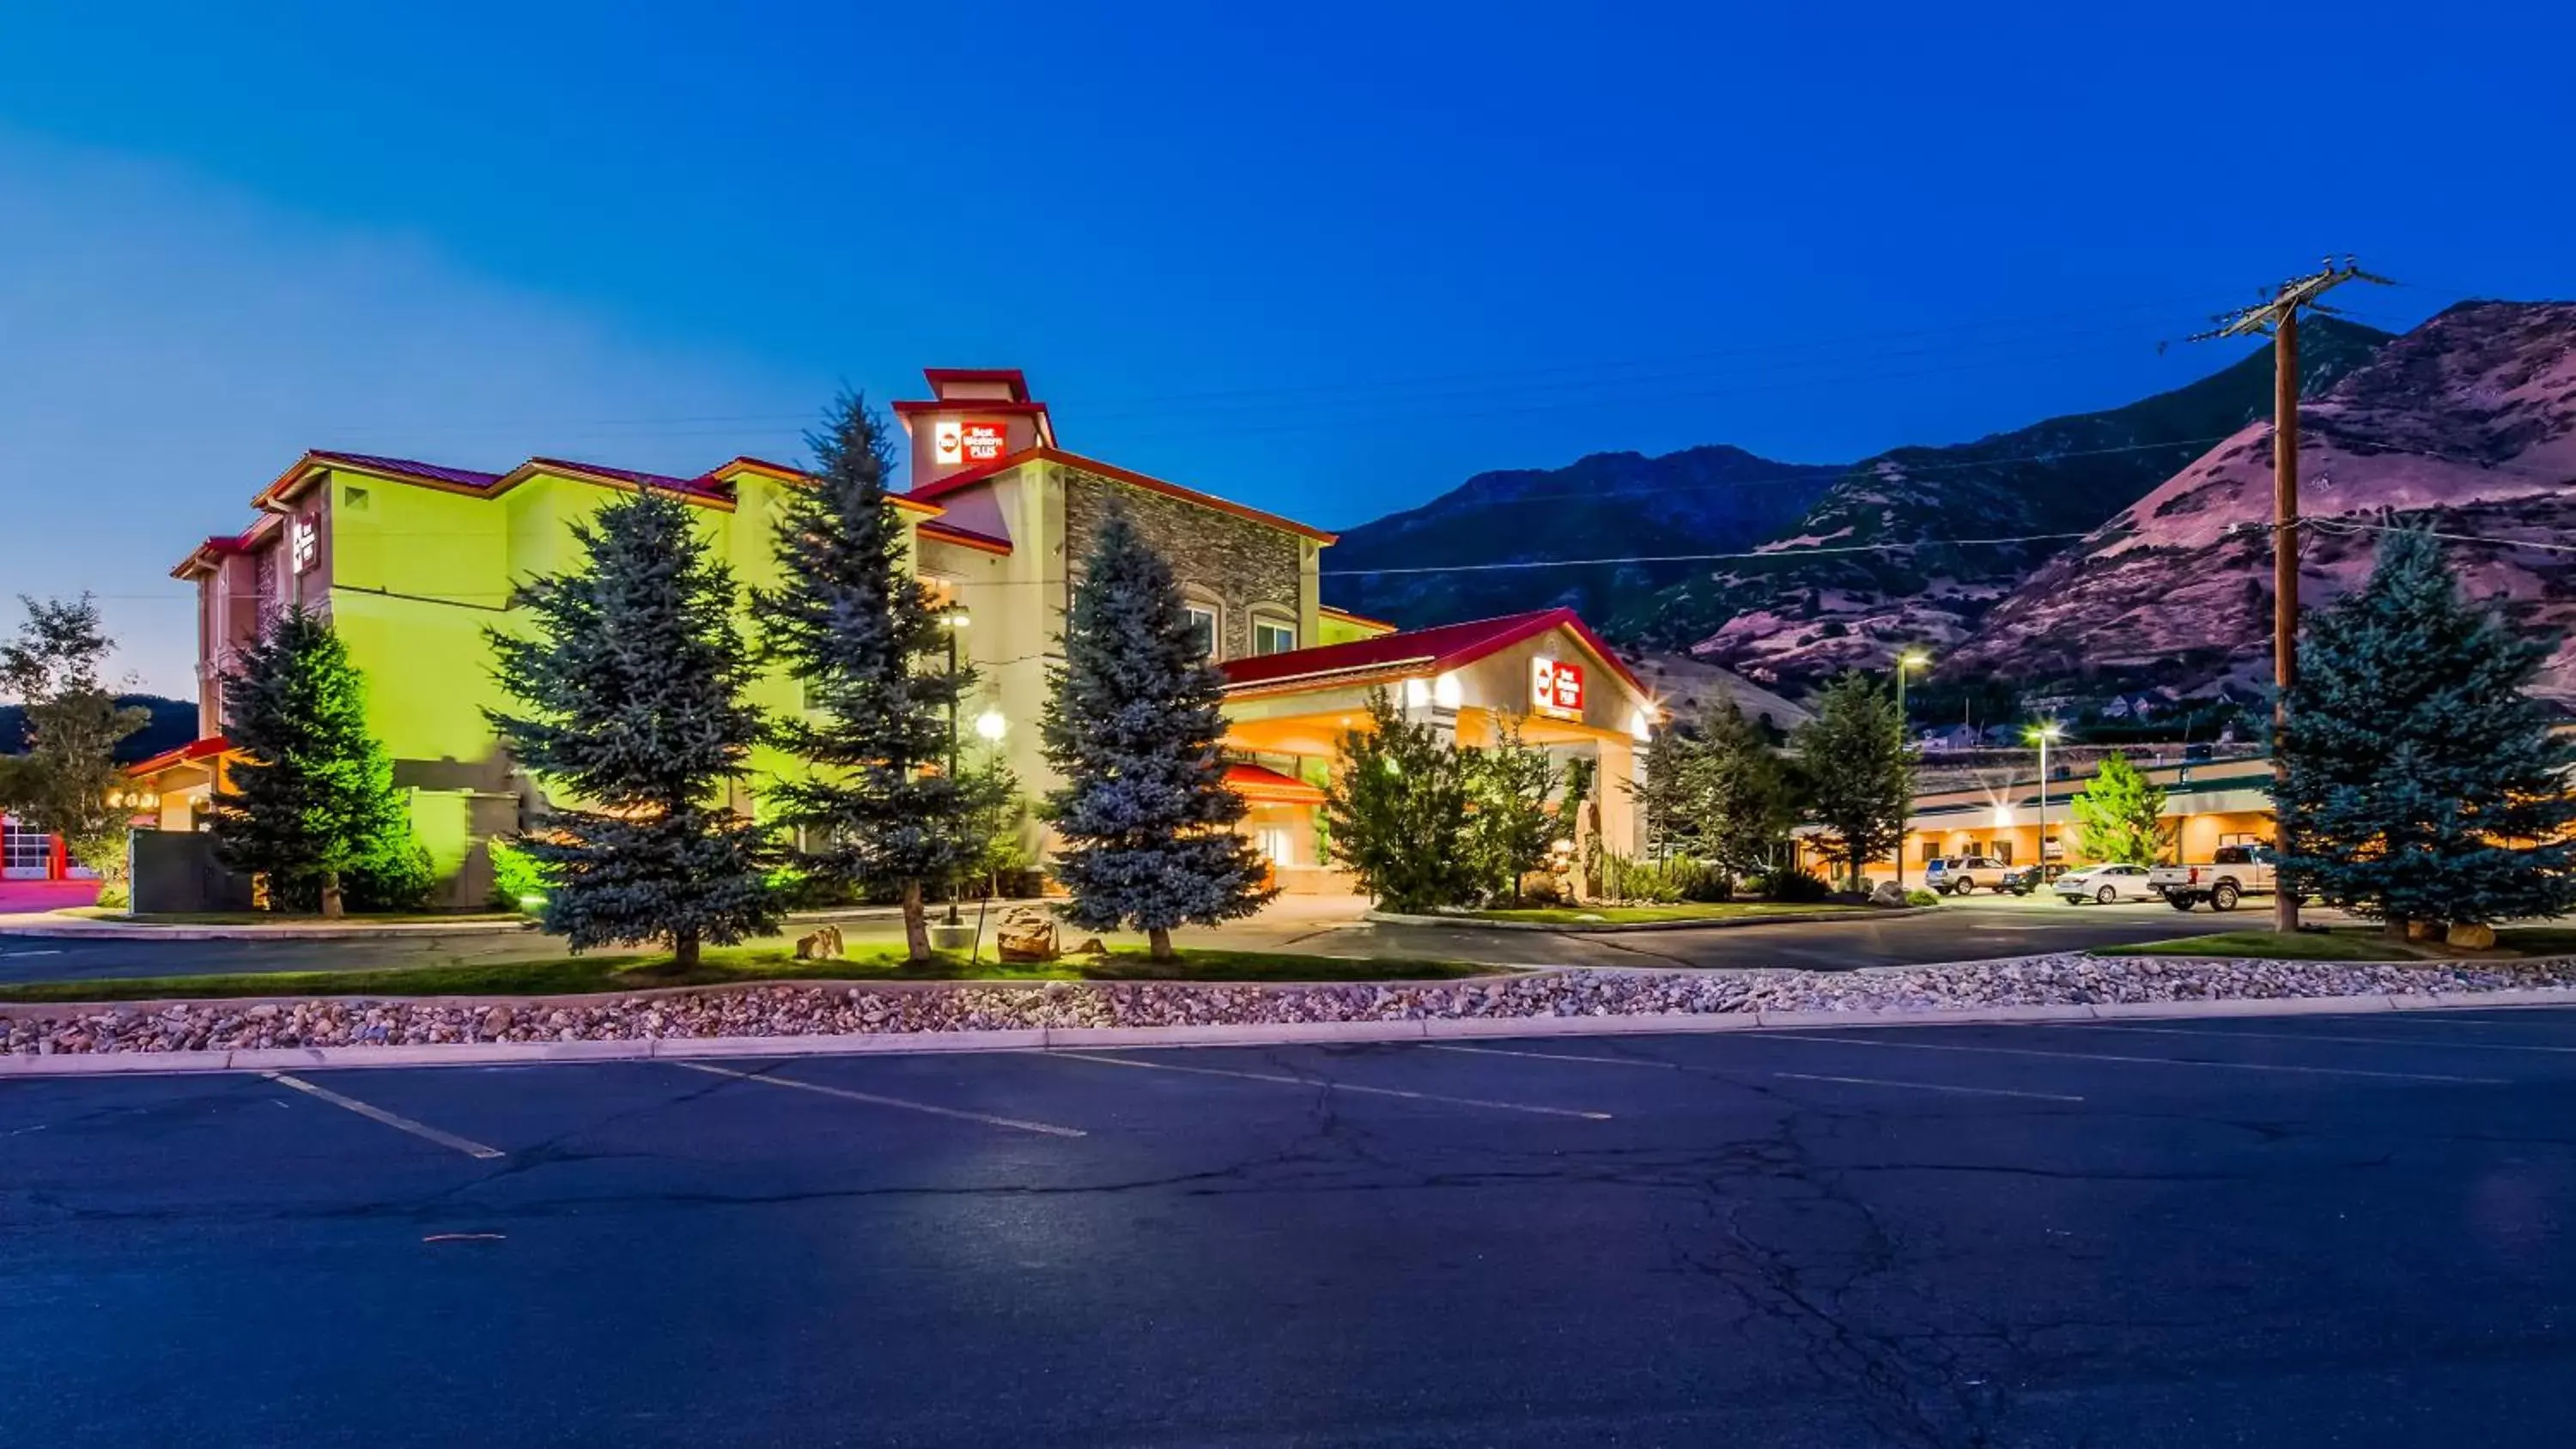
397	1122
1927	1086
1926	1046
2454	1045
1288	1081
14	955
871	1098
1556	1057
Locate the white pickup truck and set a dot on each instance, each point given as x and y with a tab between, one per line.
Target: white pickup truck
2233	872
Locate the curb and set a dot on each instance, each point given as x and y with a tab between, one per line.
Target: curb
129	931
81	1064
1617	928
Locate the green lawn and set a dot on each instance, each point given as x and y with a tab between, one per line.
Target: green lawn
582	975
2354	943
1631	915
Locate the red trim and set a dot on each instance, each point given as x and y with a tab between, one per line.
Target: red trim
951	533
206	748
971	405
1265	786
1018	380
955	481
1430	651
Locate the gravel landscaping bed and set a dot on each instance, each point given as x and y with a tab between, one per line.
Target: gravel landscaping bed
808	1010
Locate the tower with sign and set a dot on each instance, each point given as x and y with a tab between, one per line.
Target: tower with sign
975	418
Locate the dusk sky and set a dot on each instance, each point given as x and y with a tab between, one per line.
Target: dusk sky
1325	260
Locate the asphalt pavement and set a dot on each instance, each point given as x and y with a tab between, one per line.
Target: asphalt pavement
2347	1231
1960	931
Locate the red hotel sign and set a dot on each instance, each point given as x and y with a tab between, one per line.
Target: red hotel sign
955	441
1556	687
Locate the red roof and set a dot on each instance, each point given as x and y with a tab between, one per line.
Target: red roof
1435	650
1266	786
982	471
206	748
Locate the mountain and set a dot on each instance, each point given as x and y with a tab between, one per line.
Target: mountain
2466	424
173	723
1806	616
1608	505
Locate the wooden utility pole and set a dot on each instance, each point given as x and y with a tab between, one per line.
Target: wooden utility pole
2278	317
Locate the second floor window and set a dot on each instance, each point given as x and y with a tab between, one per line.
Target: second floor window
1203	625
1270	636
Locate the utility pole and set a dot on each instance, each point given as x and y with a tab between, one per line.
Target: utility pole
2278	318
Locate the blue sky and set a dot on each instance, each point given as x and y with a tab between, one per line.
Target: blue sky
1326	259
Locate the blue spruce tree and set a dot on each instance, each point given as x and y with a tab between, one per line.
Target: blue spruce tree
631	704
2424	783
1144	815
883	805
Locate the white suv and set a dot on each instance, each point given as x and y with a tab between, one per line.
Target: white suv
1958	875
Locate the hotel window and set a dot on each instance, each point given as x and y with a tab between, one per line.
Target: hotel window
1203	625
1273	636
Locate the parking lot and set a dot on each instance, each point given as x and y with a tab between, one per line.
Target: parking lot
2348	1230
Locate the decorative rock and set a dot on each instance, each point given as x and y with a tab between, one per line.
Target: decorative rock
2472	937
1887	893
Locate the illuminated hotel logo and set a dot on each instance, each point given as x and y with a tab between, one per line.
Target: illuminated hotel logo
956	440
1556	687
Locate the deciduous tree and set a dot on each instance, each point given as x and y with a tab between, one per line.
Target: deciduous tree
68	783
2119	815
1396	813
1855	777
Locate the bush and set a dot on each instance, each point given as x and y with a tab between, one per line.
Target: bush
396	877
1791	884
1921	897
1663	882
518	882
1705	884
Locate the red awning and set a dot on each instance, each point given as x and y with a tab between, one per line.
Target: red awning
1268	787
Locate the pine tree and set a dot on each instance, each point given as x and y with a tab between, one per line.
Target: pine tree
2424	783
1671	795
68	782
1133	725
881	807
1396	813
1510	830
1740	794
312	810
2119	815
631	692
1854	774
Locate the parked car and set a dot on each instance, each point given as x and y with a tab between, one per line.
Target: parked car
1958	875
2104	884
2028	878
2232	873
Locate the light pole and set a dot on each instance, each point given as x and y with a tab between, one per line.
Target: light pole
954	618
2041	734
1905	660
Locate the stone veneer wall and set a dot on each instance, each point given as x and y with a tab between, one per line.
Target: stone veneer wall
1240	563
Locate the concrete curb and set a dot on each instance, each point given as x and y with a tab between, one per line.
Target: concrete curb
138	931
81	1064
1616	928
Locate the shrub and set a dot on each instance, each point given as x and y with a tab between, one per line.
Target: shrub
1663	882
518	882
1921	897
1792	884
396	876
1705	884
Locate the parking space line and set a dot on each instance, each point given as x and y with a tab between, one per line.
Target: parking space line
1928	1086
1556	1057
1927	1046
396	1121
871	1098
1289	1081
2395	1041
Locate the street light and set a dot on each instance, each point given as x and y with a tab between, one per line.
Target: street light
1906	659
954	619
2040	734
990	726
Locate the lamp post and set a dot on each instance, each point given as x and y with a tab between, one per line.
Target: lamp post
2041	734
1905	660
954	618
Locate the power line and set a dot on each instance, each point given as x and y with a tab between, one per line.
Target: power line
1777	553
2346	525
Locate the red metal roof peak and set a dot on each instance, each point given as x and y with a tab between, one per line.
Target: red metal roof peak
1435	650
940	378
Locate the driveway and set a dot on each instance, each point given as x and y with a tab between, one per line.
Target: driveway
2294	1231
1980	928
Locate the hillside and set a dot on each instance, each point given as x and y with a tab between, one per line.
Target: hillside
1797	620
1700	500
173	723
2467	423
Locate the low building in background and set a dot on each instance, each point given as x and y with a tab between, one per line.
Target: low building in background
413	561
